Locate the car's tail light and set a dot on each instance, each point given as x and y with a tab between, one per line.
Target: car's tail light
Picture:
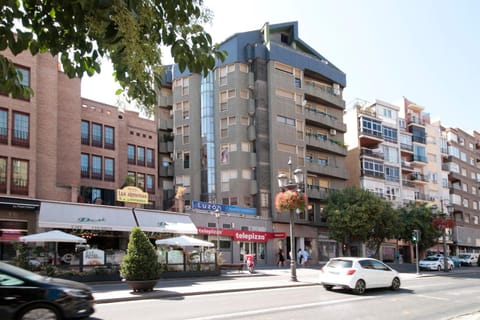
351	272
322	271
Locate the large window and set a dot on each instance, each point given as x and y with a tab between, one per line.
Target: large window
372	168
371	127
3	126
109	138
21	129
3	175
85	132
19	183
150	184
150	158
97	135
24	74
85	165
109	174
141	181
140	156
96	167
390	134
131	154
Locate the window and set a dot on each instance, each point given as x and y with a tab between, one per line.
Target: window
286	121
390	134
96	167
3	175
84	165
131	154
392	174
141	181
224	101
19	183
24	74
3	126
150	158
109	174
186	110
85	132
150	184
21	129
371	127
109	138
186	134
97	135
141	156
186	160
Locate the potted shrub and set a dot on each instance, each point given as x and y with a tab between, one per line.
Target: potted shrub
140	267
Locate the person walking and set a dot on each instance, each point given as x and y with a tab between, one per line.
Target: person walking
305	257
299	256
281	258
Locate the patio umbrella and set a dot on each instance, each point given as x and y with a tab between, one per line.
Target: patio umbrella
184	241
53	236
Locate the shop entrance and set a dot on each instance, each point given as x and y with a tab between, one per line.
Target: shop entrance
257	248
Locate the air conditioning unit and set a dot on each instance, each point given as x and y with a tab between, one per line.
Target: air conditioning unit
333	132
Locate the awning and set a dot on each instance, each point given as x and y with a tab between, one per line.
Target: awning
93	217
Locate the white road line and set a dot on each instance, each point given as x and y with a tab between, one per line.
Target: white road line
276	309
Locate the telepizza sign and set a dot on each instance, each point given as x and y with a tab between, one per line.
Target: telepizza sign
243	235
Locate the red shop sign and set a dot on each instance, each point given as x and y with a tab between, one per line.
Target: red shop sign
243	235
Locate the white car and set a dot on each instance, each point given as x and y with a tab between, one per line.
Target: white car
468	259
358	274
434	263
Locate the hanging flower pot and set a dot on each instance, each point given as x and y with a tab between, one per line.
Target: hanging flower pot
290	200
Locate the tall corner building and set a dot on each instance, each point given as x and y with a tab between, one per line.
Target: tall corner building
230	134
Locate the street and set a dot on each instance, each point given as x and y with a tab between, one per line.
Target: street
419	298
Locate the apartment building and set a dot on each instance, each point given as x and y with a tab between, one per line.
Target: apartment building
274	98
462	163
395	151
57	146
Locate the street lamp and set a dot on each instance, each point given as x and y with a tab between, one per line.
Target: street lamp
443	226
286	184
217	215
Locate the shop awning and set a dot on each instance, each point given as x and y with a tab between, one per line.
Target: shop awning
78	216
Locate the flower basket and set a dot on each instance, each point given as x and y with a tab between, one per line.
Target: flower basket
290	200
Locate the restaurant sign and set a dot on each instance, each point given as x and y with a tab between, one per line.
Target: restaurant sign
132	194
243	235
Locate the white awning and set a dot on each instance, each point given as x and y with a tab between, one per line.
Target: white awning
93	217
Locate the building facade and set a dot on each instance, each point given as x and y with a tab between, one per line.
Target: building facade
274	98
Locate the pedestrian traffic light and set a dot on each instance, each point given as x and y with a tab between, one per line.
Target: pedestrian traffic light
415	235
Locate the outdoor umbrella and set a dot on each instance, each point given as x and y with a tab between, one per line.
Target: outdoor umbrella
53	236
184	241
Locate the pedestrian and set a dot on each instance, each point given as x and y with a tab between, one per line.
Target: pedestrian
305	257
299	256
281	258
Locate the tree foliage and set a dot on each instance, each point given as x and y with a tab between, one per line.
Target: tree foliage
354	214
140	263
128	32
420	218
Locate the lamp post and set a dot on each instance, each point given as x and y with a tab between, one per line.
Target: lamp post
285	183
444	230
217	215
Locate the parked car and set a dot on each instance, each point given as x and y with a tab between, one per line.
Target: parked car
434	263
468	259
358	274
457	263
27	295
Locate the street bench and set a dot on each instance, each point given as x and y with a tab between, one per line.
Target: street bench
231	266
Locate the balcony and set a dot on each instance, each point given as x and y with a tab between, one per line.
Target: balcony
166	171
373	153
372	174
325	119
407	166
165	124
327	170
323	143
165	147
324	92
406	147
370	138
317	192
417	177
418	160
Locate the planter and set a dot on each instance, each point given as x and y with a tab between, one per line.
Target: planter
142	285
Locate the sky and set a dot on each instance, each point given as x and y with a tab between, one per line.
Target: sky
425	50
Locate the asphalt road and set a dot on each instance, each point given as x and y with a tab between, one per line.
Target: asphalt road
429	297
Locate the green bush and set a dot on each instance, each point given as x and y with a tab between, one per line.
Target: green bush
140	262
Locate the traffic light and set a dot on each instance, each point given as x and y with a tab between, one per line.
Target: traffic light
415	235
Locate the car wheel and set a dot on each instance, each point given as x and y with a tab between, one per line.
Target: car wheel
359	287
395	284
44	312
328	287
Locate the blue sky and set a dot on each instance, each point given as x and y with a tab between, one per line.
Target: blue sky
425	50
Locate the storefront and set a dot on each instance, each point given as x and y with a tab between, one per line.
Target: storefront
17	218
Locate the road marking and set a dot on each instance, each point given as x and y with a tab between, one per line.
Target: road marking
284	308
431	297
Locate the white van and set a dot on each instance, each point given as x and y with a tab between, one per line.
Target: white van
468	259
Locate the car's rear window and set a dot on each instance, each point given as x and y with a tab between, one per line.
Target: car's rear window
338	263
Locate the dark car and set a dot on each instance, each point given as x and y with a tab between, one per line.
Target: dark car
27	295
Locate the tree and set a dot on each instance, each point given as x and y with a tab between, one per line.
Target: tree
418	218
354	214
385	227
130	33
